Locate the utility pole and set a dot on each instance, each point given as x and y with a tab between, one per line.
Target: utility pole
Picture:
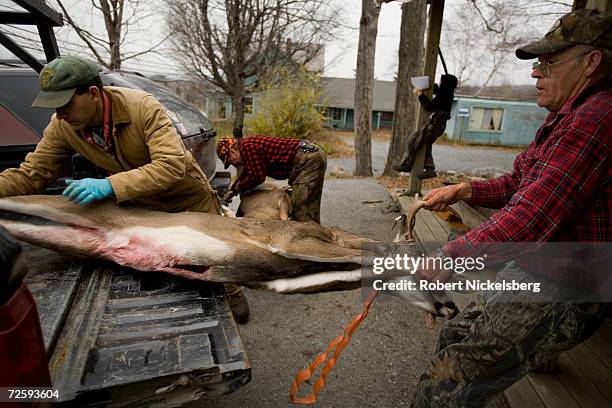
436	10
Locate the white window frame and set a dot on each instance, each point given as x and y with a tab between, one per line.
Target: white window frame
491	113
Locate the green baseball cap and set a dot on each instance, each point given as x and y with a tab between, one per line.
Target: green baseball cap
584	26
60	78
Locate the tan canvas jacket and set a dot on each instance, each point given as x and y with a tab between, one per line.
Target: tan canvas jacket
151	166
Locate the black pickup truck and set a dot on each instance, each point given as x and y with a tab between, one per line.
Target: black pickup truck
114	336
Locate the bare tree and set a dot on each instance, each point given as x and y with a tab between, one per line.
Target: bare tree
479	47
460	44
410	64
480	41
507	27
238	44
364	86
118	17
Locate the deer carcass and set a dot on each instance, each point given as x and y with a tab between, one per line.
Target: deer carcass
280	256
266	202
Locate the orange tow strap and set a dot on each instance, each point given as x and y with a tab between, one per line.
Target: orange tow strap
339	343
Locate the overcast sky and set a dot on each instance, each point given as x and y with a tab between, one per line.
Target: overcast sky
341	55
517	72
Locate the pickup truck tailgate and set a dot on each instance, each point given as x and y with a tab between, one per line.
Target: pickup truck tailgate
116	336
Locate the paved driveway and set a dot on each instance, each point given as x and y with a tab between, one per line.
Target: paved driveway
447	157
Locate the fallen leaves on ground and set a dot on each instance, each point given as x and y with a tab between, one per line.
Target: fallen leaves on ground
395	182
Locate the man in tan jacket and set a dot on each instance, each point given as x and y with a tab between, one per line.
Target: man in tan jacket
123	131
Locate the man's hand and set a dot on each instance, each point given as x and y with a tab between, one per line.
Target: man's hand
434	274
440	198
227	197
88	190
417	92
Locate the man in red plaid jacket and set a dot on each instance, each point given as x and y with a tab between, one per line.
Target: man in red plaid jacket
560	192
302	163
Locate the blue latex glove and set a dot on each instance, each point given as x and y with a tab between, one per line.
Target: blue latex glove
88	190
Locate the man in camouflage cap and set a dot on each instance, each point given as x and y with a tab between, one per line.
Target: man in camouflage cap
560	191
125	132
584	26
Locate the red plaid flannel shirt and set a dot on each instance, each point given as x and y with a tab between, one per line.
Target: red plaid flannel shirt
264	156
560	189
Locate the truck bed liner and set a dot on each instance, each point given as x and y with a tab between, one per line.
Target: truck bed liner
110	330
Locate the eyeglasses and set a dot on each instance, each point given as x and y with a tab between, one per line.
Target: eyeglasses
544	66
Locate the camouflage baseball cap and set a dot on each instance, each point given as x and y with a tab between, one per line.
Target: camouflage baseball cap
224	145
582	26
60	78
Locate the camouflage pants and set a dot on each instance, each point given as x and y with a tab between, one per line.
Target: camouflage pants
306	181
498	339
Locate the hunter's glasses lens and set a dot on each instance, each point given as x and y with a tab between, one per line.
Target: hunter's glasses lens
543	67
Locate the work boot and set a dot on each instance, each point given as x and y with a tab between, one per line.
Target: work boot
240	308
428	173
238	303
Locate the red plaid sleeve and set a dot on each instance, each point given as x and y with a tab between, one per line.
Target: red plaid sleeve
254	166
560	176
496	193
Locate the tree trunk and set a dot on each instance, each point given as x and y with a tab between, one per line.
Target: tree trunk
412	33
113	15
364	83
238	104
115	50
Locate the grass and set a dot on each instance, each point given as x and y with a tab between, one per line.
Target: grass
224	128
382	134
444	139
333	144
